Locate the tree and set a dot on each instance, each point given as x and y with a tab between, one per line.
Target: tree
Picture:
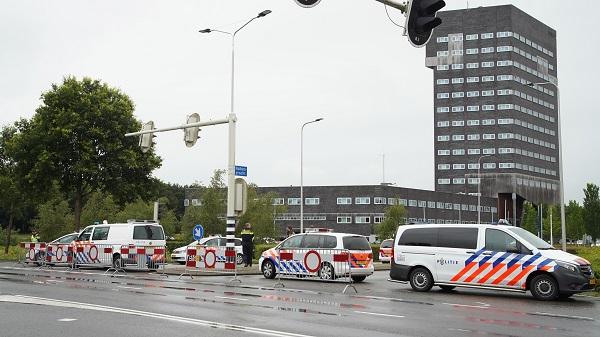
76	139
261	212
529	217
574	218
591	211
394	217
211	213
99	207
12	199
54	219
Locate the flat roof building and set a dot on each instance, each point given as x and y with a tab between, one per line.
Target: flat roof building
491	108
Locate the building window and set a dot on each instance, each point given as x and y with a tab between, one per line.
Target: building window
443	124
278	201
474	136
504	78
485	36
487	107
293	201
506	165
442	81
489	151
458	94
487	79
488	122
392	201
458	152
504	121
443	95
472	93
472	37
458	137
501	49
412	203
442	109
504	92
489	166
442	39
344	219
487	50
196	202
443	138
458	123
473	65
443	152
362	200
487	64
378	219
489	136
458	181
505	150
503	63
442	53
422	203
473	181
506	136
474	151
458	80
442	67
458	66
379	201
186	202
458	108
473	166
473	108
505	106
443	181
458	166
457	52
472	51
431	204
443	167
344	201
487	93
311	201
503	34
362	219
472	122
403	202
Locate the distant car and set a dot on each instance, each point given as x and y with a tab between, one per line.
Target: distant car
385	250
356	245
178	255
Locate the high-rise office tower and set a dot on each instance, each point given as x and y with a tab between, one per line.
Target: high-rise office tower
495	104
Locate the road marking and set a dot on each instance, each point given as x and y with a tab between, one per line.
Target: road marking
562	316
67	319
468	306
378	314
126	287
484	304
88	306
232	298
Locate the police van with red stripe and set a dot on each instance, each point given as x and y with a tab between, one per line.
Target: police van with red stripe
482	256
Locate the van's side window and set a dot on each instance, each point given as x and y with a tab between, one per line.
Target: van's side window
311	241
100	233
148	232
293	242
419	237
451	237
499	241
85	235
140	233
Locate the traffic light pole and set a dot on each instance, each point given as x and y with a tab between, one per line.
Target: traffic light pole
396	4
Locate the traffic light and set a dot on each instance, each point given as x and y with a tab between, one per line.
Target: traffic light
146	139
307	3
190	135
422	20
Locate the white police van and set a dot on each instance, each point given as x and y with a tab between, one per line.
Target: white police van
487	257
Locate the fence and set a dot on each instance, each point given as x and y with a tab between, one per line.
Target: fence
32	252
334	265
59	255
210	259
144	258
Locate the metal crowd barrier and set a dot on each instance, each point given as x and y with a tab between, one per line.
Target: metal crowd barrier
332	265
32	253
201	258
143	258
59	255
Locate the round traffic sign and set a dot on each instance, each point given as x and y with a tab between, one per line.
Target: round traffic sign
312	261
198	232
307	3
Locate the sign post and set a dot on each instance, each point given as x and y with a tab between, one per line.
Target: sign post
198	232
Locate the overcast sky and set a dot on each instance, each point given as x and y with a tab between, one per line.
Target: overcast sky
342	60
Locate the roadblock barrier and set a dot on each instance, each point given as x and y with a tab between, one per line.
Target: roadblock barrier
59	254
32	252
210	259
93	255
143	258
333	265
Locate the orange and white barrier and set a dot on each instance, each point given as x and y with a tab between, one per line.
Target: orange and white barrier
211	259
59	254
32	252
143	257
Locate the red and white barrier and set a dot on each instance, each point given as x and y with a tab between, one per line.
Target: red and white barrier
59	254
143	257
32	252
210	259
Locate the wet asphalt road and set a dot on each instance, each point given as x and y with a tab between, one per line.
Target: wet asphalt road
59	303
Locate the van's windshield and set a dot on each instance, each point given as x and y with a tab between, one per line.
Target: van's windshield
532	239
356	243
148	232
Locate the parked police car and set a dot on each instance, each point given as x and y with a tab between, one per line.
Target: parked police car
489	257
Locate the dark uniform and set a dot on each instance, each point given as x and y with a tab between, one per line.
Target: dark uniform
247	246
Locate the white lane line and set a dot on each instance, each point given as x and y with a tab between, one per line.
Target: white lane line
232	298
378	314
88	306
562	316
126	287
67	319
468	306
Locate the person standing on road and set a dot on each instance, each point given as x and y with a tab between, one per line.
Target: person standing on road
247	244
35	237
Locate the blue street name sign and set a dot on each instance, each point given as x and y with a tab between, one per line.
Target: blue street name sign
198	232
241	171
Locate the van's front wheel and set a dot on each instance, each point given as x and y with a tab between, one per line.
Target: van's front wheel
544	287
421	279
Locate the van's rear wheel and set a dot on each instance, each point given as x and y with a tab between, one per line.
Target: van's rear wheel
447	288
239	259
117	262
268	269
421	279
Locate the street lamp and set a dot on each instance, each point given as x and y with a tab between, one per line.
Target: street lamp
232	119
560	163
209	30
479	186
302	172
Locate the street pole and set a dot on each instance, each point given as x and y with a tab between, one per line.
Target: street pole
479	187
302	172
563	229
